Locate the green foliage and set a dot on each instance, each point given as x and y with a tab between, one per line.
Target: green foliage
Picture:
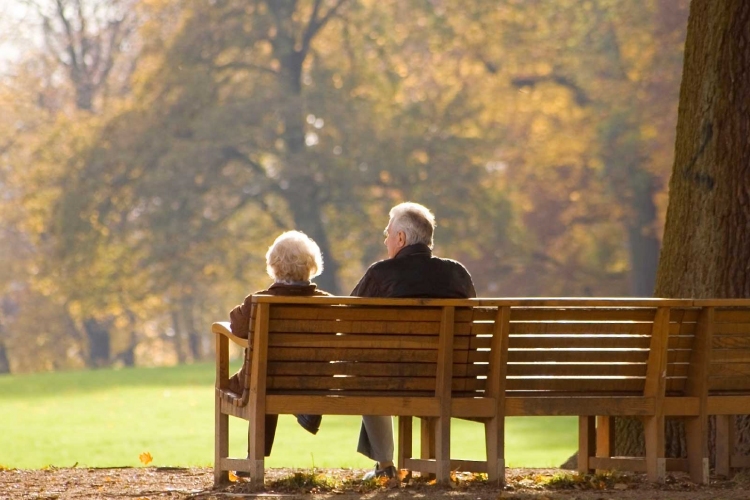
540	133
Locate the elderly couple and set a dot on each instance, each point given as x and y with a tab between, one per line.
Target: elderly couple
410	271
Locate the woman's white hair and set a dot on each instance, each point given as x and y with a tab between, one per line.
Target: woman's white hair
415	220
294	256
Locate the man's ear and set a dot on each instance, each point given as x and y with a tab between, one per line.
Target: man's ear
401	239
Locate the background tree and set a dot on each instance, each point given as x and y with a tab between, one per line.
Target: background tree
535	130
71	62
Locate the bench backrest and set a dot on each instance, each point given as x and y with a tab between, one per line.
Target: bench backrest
353	349
729	363
574	351
577	347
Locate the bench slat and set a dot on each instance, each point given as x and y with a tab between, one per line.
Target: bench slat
582	314
280	383
419	314
732	329
608	369
572	405
730	342
574	356
353	405
578	342
730	370
582	328
353	326
410	369
277	383
315	341
731	316
344	354
575	385
728	383
730	356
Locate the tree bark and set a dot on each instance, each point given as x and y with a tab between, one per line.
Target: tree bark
707	237
194	338
7	307
635	188
706	245
99	343
179	339
4	362
642	238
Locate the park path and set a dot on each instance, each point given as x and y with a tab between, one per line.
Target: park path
151	483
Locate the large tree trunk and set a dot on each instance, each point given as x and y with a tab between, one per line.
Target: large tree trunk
706	246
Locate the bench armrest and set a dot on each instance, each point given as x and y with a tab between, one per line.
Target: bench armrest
224	328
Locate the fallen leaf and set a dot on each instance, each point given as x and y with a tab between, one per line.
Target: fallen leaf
233	477
145	458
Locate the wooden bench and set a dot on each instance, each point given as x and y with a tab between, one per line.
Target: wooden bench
727	382
339	356
485	359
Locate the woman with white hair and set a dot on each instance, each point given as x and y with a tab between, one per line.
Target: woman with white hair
291	261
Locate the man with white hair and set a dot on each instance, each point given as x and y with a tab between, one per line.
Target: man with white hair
409	271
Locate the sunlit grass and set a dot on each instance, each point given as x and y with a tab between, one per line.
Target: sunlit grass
107	418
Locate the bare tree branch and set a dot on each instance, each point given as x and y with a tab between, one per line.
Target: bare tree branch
581	96
240	65
70	46
316	24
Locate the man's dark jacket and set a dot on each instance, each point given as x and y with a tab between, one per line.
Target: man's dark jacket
415	272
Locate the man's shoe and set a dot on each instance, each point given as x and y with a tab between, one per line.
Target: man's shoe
389	472
311	423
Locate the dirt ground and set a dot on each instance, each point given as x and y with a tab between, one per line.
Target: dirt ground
344	484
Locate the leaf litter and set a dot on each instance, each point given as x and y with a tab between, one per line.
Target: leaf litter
150	483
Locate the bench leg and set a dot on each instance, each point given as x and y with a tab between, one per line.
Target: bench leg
605	436
586	442
494	433
221	445
696	434
256	447
404	441
656	463
427	440
443	449
724	444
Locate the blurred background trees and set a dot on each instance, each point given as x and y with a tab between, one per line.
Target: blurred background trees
151	151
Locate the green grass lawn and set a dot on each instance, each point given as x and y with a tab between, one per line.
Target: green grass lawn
107	418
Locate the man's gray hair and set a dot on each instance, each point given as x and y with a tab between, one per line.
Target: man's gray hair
415	220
